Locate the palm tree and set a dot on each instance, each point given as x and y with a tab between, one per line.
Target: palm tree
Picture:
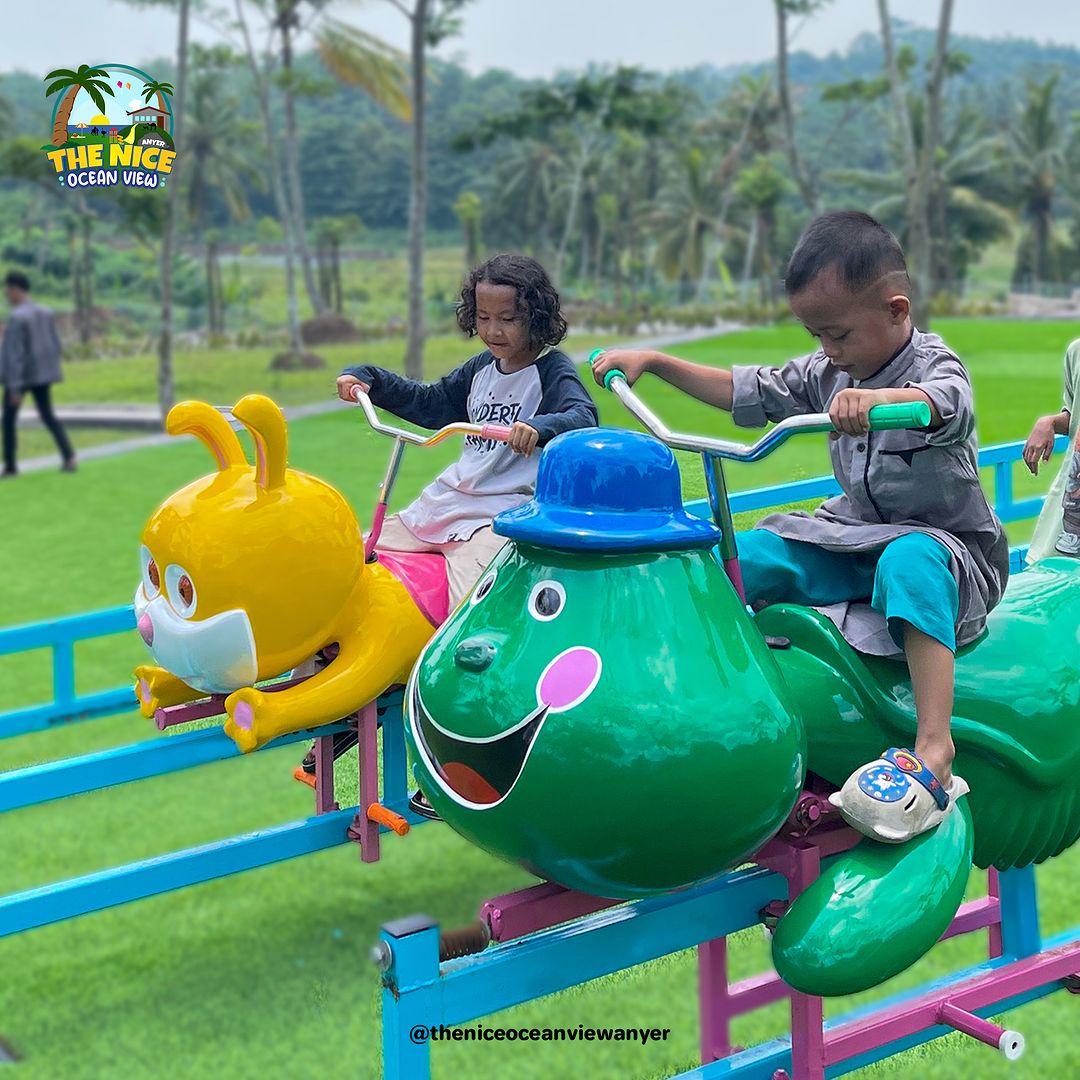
691	207
918	160
1038	154
761	186
686	216
159	89
215	163
91	79
469	210
968	192
524	191
343	49
168	233
329	233
356	58
430	22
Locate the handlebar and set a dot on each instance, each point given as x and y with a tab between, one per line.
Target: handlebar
496	432
913	414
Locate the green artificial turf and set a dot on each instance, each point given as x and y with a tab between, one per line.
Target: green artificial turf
265	974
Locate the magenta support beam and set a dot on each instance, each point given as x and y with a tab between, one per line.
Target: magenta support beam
715	1007
368	758
993	891
983	914
1010	1043
376	529
981	991
211	706
324	775
807	1015
734	573
515	914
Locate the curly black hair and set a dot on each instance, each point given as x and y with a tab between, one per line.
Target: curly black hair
537	299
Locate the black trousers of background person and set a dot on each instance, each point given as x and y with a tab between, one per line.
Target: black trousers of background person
43	401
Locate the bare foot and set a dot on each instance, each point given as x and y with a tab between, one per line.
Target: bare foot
938	756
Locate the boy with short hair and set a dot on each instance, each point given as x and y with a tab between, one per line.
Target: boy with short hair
910	558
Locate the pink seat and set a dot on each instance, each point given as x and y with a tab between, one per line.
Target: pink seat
424	575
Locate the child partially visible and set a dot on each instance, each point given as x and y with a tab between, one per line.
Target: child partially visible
1058	528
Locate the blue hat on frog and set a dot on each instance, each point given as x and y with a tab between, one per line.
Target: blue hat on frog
607	490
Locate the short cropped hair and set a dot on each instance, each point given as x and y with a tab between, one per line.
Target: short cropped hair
537	299
858	245
18	280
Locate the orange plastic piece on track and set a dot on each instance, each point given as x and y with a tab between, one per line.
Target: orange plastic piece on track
379	813
304	777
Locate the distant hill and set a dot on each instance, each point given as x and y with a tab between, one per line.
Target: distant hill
356	158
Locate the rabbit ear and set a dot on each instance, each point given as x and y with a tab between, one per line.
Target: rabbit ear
266	422
209	427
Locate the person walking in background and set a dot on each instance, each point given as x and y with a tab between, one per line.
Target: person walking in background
30	361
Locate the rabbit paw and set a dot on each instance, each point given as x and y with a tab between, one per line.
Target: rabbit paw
247	723
156	689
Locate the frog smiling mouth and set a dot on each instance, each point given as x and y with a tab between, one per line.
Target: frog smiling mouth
479	773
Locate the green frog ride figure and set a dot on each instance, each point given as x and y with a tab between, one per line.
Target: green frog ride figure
601	710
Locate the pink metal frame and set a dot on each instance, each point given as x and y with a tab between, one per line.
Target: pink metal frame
364	830
813	832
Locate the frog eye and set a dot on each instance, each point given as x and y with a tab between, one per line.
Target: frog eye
487	583
151	576
181	591
546	600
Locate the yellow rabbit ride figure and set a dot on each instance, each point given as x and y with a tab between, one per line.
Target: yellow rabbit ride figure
249	571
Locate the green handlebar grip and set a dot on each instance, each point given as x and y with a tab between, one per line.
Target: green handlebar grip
906	414
614	373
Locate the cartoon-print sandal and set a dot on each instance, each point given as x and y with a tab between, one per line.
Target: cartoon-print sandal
896	797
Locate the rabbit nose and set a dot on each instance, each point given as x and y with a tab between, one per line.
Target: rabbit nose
474	654
146	628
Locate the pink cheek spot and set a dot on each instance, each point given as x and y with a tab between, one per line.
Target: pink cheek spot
146	628
569	679
243	715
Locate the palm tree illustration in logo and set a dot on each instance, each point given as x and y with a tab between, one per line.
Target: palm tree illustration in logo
153	88
90	79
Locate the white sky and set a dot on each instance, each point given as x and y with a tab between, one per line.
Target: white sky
531	37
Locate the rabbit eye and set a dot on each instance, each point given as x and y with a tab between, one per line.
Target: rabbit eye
180	590
151	575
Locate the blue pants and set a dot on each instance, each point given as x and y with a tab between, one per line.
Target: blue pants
909	580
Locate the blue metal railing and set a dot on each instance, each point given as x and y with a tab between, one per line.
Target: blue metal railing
60	635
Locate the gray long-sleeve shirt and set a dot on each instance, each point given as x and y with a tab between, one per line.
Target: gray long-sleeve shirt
488	477
893	482
30	353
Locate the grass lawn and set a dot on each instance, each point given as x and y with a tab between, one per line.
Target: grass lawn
225	374
266	973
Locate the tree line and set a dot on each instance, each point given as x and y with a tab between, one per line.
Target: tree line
625	182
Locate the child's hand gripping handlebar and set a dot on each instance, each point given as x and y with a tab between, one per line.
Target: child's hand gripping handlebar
913	414
401	436
497	432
